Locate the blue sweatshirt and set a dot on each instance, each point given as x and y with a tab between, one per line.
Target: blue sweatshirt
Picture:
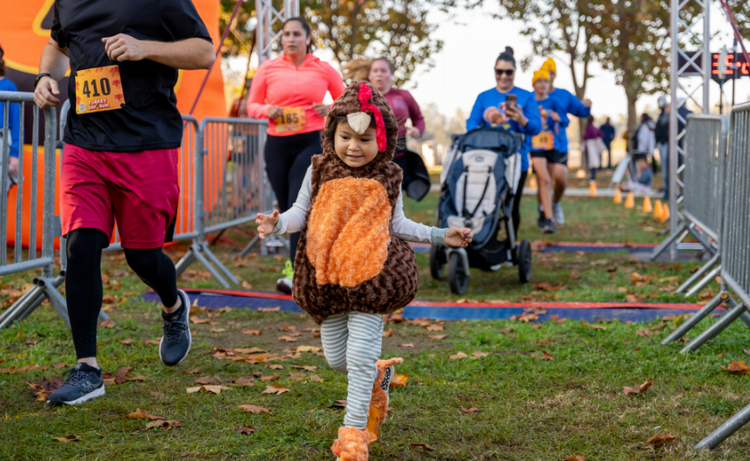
528	104
551	126
14	125
573	106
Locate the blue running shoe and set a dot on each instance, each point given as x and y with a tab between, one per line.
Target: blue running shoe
175	344
84	383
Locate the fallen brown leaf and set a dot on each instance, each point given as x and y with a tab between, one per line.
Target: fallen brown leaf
252	332
126	341
406	345
638	389
457	356
438	337
275	389
575	458
244	382
269	378
478	354
645	333
287	339
215	389
68	438
470	410
398	381
163	425
505	331
305	367
422	445
193	371
254	409
661	439
275	366
244	430
109	323
316	378
435	328
31	342
208	380
547	356
387	333
197	320
737	367
269	309
143	414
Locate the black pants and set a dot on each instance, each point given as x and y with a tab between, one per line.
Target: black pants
83	282
516	213
287	160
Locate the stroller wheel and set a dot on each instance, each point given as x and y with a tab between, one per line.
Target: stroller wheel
437	262
524	261
457	276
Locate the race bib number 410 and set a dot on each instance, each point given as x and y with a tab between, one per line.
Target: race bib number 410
98	90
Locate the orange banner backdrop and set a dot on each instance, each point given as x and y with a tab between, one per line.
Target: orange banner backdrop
25	29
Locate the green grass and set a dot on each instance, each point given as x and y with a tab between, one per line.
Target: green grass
529	409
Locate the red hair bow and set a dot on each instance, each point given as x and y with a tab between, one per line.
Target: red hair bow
364	95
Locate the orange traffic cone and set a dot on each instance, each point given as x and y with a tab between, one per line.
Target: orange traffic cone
532	183
665	213
647	208
618	196
592	189
630	200
658	209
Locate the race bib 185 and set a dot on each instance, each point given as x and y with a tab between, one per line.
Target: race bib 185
292	119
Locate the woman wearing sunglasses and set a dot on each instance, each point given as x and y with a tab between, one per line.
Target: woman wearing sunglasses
513	108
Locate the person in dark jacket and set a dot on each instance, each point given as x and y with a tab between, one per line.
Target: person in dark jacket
609	135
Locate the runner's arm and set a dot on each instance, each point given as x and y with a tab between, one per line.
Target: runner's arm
256	101
417	120
533	119
476	119
576	107
55	62
189	54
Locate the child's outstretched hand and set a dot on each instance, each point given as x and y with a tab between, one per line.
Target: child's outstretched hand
457	237
266	223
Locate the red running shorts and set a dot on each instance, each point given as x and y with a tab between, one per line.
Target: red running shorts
139	190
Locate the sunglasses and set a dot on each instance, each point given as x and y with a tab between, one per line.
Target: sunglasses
508	72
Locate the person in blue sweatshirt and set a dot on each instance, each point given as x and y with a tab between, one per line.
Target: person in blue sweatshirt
572	106
14	124
547	147
490	109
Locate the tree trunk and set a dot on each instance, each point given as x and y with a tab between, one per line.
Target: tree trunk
632	116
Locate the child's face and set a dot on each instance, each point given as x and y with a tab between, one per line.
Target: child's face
356	150
642	164
542	86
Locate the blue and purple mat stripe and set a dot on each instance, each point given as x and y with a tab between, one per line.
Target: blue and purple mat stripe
570	247
634	312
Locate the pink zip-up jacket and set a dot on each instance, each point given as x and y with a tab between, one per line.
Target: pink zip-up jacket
279	82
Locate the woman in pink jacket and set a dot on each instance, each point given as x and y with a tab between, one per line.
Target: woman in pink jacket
289	91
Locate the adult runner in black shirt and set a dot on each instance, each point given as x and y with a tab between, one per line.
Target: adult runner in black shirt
120	158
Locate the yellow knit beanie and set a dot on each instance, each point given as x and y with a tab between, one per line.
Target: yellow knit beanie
541	73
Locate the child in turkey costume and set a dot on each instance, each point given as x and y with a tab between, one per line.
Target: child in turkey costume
353	264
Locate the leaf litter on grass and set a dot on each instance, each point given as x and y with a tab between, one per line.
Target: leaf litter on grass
638	388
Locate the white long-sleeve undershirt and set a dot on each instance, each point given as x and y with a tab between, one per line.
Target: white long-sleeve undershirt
404	228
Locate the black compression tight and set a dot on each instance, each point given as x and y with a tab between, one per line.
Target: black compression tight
287	160
83	282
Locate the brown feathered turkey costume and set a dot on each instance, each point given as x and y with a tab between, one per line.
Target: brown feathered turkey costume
348	258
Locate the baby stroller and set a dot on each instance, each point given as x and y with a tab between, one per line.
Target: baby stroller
479	180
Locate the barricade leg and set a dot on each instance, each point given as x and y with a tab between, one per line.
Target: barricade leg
32	307
699	237
246	251
725	430
688	324
212	257
736	310
705	281
700	273
185	262
679	235
196	249
32	297
55	298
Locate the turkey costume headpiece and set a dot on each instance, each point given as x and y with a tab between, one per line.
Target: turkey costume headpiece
348	258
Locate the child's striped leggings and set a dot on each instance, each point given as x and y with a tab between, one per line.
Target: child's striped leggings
352	342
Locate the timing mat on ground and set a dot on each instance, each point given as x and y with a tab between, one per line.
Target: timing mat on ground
625	311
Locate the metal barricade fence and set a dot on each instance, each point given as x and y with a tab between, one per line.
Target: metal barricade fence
230	188
705	137
735	244
45	286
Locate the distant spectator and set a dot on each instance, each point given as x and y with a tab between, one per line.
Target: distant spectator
593	140
14	125
644	177
645	139
661	136
609	135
